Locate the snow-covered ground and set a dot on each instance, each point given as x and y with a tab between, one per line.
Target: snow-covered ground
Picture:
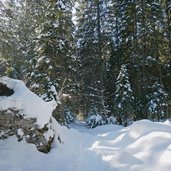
143	146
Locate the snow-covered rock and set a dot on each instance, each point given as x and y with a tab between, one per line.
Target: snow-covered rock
25	114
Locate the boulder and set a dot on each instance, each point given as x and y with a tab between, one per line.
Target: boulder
25	115
13	123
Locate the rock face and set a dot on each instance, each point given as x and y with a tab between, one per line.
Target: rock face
13	123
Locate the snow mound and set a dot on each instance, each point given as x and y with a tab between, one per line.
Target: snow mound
143	127
144	145
28	103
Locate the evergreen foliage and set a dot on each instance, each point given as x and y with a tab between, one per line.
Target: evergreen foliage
52	50
157	105
123	98
41	45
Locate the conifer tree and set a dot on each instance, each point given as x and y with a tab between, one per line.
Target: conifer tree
123	98
167	37
37	46
53	50
19	19
89	41
157	105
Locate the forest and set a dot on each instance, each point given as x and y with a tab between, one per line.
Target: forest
106	58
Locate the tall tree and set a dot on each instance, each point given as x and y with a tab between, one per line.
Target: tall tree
53	49
19	20
123	99
89	41
157	105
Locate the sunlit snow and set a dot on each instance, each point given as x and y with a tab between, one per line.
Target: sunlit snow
142	146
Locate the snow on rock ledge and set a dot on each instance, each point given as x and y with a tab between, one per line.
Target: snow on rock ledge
25	114
30	105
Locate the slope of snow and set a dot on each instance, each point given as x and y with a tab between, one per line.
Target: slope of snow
143	146
26	101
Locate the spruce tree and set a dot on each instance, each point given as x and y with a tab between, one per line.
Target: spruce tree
167	37
89	44
123	97
53	50
19	20
157	102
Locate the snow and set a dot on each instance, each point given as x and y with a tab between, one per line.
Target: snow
53	89
145	145
2	133
48	134
35	85
97	118
28	103
20	132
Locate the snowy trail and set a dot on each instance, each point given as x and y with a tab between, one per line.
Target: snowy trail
90	156
144	146
84	162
